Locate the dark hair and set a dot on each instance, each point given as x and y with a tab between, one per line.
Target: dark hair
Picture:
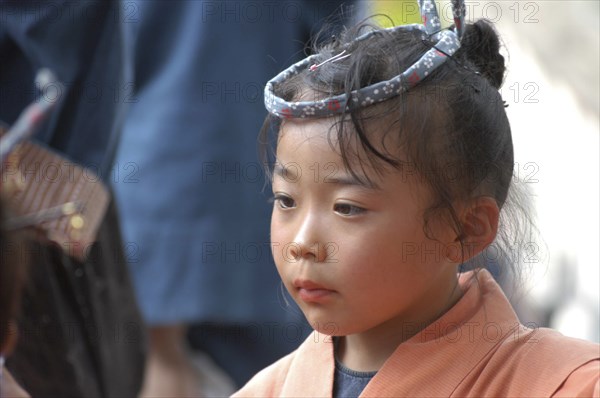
452	126
12	276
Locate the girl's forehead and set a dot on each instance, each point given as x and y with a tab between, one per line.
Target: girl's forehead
316	135
320	137
327	130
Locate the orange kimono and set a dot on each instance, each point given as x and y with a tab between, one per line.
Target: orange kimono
476	349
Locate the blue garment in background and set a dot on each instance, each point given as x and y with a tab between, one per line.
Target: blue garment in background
82	43
193	201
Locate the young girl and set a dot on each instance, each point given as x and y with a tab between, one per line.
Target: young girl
394	158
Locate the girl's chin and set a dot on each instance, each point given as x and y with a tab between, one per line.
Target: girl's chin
328	328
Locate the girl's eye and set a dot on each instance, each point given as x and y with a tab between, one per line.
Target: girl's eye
345	209
284	201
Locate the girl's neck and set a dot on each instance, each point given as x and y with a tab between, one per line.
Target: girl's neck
368	351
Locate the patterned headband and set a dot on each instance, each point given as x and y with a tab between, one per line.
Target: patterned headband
447	43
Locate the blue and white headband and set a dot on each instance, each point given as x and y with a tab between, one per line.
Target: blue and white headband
447	43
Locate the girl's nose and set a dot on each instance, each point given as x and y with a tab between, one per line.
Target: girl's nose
307	241
317	252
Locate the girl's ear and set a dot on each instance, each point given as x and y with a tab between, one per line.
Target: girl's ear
480	226
6	347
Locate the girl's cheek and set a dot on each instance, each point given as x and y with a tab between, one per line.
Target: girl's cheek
277	244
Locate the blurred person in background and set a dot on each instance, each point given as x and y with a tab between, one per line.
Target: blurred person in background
82	333
196	208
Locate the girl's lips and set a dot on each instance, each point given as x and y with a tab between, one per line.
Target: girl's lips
314	295
312	292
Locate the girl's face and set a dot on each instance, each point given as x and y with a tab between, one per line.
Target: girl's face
354	257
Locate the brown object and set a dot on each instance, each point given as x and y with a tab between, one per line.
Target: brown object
47	191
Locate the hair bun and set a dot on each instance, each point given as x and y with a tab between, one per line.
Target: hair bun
480	45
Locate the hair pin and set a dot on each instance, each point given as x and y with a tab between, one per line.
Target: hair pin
341	55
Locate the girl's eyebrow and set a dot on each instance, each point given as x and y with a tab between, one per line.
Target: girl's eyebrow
286	173
351	180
